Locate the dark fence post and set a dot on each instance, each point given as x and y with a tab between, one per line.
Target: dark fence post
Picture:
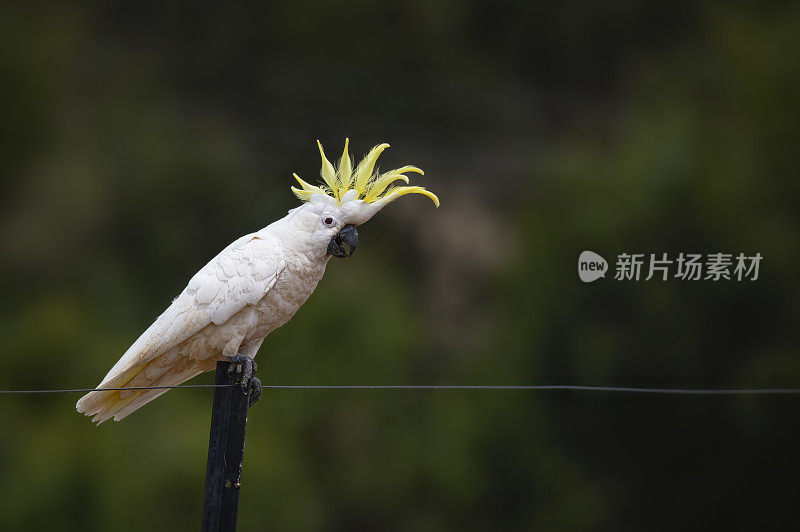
225	453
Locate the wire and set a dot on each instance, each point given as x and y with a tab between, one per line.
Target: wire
75	390
542	387
620	389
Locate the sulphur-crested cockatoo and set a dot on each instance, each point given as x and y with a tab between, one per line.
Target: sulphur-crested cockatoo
252	287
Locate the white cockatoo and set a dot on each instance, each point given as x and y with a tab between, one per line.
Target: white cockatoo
252	287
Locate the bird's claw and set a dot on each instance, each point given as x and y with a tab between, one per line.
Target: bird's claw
248	382
255	391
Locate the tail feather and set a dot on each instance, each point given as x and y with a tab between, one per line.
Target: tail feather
149	395
94	402
120	403
111	406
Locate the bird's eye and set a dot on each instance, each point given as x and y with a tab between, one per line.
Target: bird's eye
328	221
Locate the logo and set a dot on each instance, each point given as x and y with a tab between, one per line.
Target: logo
685	267
591	266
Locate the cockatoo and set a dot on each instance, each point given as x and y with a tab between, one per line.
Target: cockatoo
252	287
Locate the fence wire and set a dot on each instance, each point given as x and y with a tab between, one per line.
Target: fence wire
511	387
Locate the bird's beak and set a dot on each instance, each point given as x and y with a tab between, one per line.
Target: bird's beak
344	244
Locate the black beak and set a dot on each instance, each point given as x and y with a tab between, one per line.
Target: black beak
344	244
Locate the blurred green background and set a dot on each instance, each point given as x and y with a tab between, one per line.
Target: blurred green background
139	139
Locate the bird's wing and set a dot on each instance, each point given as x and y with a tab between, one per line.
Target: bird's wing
240	275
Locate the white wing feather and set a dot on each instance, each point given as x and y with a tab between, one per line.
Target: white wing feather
240	275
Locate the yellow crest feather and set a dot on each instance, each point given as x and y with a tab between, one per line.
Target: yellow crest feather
369	185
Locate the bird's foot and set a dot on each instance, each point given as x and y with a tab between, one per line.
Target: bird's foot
255	391
248	382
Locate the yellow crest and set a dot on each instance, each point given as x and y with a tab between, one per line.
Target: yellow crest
366	183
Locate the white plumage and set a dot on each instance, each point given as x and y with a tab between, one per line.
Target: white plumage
225	307
249	289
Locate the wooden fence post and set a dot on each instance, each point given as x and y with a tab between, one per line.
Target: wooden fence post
225	453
